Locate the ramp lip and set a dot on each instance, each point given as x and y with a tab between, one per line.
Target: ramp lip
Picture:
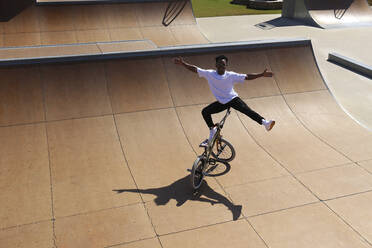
163	51
350	64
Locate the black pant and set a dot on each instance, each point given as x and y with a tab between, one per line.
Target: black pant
235	103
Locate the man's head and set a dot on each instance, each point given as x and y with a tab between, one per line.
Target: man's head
221	63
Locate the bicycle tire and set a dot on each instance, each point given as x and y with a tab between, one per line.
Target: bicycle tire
197	175
223	151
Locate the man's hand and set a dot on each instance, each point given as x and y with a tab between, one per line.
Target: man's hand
179	61
267	73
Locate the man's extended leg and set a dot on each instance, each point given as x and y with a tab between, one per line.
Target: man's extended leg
212	108
241	106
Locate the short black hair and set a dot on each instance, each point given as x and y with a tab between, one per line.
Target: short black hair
221	57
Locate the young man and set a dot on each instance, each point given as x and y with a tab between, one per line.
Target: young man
221	83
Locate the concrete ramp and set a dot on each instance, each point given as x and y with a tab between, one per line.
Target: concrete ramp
329	13
94	154
53	25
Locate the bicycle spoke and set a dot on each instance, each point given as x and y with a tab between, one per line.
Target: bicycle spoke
223	151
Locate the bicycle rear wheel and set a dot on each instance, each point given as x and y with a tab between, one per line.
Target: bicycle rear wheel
197	175
223	151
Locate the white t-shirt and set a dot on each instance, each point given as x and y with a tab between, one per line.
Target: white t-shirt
222	86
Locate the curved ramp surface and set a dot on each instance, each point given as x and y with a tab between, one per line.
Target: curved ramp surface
329	13
95	154
80	24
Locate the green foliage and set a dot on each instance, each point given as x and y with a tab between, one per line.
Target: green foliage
210	8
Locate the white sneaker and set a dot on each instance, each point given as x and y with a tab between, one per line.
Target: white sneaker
212	132
204	143
268	124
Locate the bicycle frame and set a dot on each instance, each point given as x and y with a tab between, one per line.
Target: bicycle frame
219	129
208	150
207	161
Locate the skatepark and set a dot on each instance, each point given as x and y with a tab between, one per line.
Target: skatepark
99	126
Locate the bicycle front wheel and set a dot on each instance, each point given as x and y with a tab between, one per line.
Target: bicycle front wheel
223	151
197	172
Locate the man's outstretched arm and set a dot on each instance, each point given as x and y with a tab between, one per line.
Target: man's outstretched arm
265	73
180	61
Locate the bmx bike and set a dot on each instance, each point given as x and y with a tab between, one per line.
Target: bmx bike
216	150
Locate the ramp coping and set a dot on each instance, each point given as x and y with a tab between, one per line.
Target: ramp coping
162	51
350	64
